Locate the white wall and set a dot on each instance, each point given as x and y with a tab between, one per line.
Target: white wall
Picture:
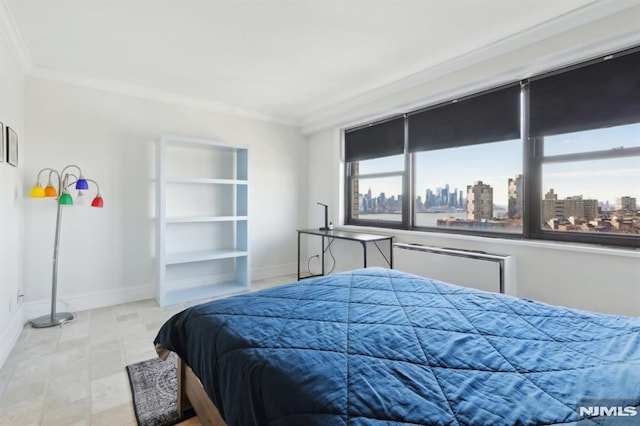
107	256
586	277
11	114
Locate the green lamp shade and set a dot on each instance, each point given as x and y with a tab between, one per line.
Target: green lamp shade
37	191
65	199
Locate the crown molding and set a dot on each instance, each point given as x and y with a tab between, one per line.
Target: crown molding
342	112
9	30
154	95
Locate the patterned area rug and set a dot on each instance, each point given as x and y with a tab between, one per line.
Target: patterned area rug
154	386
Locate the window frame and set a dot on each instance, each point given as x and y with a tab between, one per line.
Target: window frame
350	176
460	230
538	159
533	159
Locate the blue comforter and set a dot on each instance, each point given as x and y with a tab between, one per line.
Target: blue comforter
377	346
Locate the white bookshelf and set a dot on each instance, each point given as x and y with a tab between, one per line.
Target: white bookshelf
201	219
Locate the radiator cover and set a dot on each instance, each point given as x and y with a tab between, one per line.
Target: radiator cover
469	268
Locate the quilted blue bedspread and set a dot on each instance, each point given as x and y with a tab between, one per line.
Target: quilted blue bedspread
377	346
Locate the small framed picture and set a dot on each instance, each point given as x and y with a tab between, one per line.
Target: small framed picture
2	144
12	147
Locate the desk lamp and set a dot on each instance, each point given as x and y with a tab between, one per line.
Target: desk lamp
326	217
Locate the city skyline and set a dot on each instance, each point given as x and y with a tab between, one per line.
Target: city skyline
561	177
616	203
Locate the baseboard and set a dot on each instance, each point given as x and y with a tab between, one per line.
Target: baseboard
273	271
95	300
117	296
101	299
11	333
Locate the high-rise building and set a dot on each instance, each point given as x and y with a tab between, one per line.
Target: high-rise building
429	199
627	204
550	206
453	198
515	197
444	201
574	206
479	201
579	208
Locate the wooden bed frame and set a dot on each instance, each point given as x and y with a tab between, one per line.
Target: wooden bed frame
191	394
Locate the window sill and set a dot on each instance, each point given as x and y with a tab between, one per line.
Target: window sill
552	245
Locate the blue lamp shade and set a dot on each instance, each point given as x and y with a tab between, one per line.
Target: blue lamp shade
82	183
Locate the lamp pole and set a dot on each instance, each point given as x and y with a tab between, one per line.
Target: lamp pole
55	318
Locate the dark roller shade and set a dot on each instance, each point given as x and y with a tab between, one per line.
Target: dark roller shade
374	141
602	94
488	117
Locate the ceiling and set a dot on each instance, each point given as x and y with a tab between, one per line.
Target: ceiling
281	60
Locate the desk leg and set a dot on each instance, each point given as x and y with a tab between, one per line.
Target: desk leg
322	237
364	250
298	256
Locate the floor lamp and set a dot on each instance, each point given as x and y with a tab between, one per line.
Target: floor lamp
61	193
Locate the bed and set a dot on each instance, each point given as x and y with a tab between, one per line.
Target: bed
378	346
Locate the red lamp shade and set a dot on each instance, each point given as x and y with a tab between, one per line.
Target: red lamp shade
97	202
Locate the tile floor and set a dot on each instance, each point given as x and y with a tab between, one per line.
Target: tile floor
75	375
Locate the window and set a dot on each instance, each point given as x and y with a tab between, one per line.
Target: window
376	176
376	186
585	165
553	157
590	184
583	196
476	188
461	149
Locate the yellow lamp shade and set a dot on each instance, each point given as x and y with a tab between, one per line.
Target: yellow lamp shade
37	191
50	191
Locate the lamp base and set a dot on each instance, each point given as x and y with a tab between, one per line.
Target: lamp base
46	320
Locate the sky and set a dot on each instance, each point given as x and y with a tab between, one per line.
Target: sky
494	164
